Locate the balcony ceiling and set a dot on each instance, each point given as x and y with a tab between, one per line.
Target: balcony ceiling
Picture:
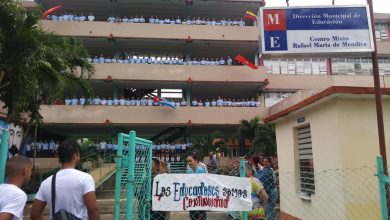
162	8
145	131
199	48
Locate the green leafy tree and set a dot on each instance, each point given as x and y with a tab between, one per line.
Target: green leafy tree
214	142
36	65
261	137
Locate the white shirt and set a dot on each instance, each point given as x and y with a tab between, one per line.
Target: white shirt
71	186
12	200
103	145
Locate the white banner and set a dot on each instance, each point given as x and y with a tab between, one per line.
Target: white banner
187	192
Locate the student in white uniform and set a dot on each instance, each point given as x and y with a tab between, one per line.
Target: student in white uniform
235	22
75	101
151	20
68	101
150	102
110	102
142	19
82	18
213	103
157	20
101	58
213	22
223	22
13	199
221	61
219	101
116	101
111	19
229	61
122	101
194	102
207	103
178	20
97	101
52	148
136	19
183	102
75	190
28	150
241	22
91	17
103	101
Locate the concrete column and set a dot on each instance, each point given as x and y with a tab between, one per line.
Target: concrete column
188	95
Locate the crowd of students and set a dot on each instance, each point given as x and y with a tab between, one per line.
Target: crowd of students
43	148
162	60
177	20
71	16
169	152
122	101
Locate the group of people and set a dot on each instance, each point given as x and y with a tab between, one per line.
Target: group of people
264	187
74	191
162	60
122	101
169	152
43	148
70	16
177	20
226	102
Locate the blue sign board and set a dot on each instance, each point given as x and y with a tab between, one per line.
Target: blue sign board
308	30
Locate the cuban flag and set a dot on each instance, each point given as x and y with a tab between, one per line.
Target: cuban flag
163	102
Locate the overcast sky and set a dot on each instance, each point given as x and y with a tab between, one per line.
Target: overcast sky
380	6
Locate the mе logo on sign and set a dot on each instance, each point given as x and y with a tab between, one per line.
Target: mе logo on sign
275	29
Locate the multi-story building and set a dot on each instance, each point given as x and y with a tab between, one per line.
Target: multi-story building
275	79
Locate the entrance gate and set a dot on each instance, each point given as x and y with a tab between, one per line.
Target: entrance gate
133	178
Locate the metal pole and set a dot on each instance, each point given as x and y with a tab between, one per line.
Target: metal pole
130	177
3	154
118	177
378	99
242	174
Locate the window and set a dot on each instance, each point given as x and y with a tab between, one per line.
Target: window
381	32
170	93
306	167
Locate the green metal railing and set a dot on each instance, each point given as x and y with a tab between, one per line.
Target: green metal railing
383	180
133	177
3	153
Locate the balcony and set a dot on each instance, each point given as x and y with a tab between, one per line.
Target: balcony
176	73
152	31
142	115
162	8
318	82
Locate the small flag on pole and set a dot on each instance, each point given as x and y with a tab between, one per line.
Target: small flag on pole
163	102
250	15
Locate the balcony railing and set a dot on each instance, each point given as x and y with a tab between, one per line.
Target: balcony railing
151	115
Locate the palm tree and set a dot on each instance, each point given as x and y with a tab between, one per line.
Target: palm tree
36	65
261	137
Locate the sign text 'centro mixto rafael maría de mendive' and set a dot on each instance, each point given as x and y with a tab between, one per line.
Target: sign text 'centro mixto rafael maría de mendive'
312	30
